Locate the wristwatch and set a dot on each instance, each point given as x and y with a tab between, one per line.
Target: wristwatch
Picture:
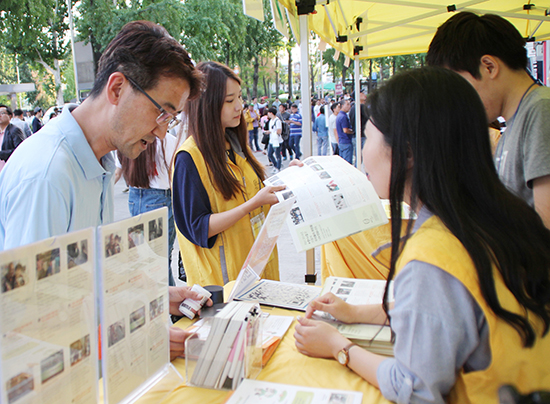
343	355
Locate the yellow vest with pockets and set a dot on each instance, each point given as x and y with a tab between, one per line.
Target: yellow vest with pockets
206	266
528	369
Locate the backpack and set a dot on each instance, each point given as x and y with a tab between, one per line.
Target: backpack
285	133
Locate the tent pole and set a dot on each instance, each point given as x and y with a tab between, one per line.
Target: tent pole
306	122
357	74
304	85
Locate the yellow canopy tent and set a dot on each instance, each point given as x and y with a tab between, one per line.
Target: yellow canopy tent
398	27
364	29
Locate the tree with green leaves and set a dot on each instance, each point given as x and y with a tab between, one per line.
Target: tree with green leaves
262	40
101	20
35	30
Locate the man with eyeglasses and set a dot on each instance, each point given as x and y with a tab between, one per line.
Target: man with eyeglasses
61	179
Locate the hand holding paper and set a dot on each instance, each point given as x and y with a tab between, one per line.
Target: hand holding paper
266	196
177	294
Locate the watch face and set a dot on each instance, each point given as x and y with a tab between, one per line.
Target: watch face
342	357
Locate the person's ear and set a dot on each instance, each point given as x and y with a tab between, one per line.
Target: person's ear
114	87
489	66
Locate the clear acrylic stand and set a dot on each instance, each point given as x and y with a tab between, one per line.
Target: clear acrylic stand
244	360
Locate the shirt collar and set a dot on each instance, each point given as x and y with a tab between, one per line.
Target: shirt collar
231	137
82	150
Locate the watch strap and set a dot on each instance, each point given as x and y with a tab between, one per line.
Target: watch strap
345	350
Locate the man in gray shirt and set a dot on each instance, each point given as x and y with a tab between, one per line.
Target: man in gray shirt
489	52
18	121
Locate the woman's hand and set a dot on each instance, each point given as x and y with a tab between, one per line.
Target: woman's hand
296	163
318	339
266	196
333	305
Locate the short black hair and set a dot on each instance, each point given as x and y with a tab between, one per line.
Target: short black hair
334	105
8	109
273	110
463	39
18	112
145	52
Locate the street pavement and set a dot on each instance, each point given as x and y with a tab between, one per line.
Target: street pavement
292	265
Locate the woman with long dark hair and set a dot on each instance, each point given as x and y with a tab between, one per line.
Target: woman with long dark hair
220	201
472	284
148	178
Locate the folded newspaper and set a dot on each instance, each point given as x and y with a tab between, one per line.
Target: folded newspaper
373	337
333	200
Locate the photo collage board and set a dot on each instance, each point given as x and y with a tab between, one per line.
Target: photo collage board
48	318
52	292
133	255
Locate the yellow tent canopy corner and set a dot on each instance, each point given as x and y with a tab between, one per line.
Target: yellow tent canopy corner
371	29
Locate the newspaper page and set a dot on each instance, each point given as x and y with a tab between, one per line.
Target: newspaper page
333	200
357	291
260	392
280	294
134	312
49	321
360	291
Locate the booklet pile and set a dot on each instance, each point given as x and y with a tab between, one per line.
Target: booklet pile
373	337
232	350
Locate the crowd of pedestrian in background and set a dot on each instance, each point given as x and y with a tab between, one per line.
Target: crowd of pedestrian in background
276	129
16	126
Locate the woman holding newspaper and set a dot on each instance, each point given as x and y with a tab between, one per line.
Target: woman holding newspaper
220	201
472	289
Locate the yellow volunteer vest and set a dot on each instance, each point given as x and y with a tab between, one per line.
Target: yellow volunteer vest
249	121
526	368
206	266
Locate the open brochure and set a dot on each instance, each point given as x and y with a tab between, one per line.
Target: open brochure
260	392
333	200
374	337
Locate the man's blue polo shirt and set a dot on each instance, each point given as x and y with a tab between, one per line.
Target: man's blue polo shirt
53	184
342	121
295	130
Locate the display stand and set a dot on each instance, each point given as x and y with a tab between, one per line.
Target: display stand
48	321
226	349
133	257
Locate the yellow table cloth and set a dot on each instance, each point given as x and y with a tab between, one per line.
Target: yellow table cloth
287	366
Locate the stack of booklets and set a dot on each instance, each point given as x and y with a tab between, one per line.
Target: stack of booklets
373	337
232	350
273	330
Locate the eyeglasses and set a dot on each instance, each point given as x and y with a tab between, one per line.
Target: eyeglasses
165	117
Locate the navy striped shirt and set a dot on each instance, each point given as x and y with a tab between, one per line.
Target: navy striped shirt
295	130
